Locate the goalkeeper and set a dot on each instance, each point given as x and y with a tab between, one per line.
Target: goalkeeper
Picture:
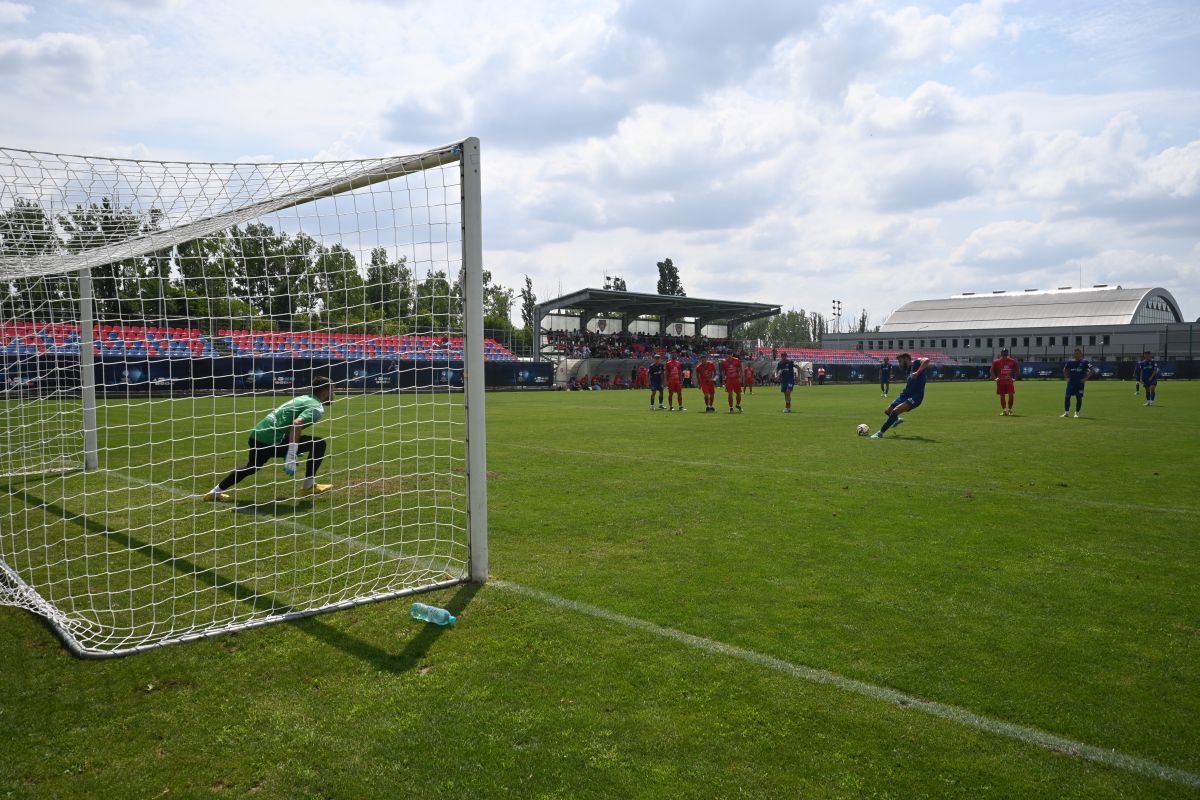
278	436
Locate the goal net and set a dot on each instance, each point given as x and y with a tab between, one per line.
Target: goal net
161	324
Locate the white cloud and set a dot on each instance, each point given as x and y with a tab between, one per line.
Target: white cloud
14	13
59	62
805	150
931	108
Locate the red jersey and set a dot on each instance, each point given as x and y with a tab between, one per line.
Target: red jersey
1005	369
748	376
733	370
705	372
674	371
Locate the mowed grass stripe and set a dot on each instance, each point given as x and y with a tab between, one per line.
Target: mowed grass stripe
961	716
952	713
833	477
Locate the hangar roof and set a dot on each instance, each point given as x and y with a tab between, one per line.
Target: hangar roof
1100	305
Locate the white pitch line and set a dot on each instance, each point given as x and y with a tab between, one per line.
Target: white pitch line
962	716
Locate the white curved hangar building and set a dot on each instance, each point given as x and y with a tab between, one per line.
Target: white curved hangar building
1110	323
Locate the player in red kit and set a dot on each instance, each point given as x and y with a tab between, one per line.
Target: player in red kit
748	379
674	382
731	365
706	373
1004	372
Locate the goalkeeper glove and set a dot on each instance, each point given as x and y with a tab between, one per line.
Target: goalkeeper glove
289	463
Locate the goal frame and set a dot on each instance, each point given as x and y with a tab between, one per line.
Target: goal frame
467	154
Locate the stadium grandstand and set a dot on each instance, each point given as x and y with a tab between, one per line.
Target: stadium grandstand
1112	324
600	333
28	338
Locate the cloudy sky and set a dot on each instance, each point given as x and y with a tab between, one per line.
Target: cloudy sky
790	151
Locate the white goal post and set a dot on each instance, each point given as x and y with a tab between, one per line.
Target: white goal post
162	323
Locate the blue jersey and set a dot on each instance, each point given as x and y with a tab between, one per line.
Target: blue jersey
915	387
885	372
1146	369
1078	371
656	375
787	371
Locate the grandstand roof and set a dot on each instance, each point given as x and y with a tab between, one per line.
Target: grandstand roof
1100	305
603	302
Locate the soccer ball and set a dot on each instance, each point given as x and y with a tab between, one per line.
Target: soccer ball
863	429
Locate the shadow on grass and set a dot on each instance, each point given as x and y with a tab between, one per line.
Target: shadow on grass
924	439
405	660
273	508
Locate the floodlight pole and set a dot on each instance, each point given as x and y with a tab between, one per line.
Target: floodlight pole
473	370
87	371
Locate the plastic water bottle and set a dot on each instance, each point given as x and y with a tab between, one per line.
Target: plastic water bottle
438	616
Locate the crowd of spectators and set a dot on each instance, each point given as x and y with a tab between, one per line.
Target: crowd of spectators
590	344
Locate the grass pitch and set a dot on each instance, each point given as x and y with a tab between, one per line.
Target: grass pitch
654	570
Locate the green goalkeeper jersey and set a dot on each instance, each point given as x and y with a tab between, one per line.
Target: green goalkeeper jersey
275	428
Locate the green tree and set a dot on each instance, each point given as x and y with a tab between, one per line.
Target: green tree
117	286
435	305
27	231
389	287
528	305
343	290
204	285
788	329
668	279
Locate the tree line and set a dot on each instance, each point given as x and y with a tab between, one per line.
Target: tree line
247	276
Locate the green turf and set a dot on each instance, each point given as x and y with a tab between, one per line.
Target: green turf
1033	569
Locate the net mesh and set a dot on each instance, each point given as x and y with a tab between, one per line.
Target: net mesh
220	292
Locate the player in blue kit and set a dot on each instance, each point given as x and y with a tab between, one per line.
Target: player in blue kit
656	381
785	371
1146	373
885	376
911	396
1076	372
